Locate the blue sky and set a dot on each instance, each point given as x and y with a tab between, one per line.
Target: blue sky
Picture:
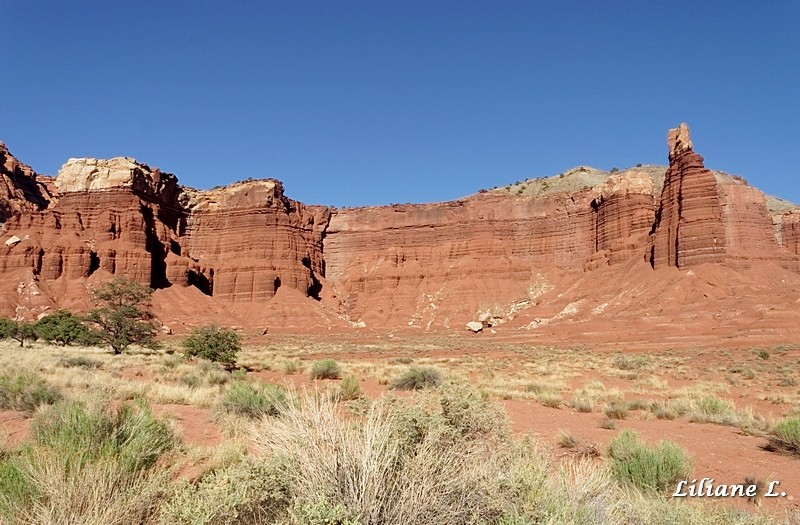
372	102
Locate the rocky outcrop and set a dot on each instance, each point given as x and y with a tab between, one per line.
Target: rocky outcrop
579	246
248	240
790	231
20	191
688	227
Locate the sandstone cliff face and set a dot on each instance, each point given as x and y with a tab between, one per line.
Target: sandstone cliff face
19	189
584	247
688	227
790	231
248	240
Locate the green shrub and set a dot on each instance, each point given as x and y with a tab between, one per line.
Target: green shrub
65	329
350	389
250	491
785	436
655	468
86	465
25	392
326	369
417	378
216	344
253	400
129	435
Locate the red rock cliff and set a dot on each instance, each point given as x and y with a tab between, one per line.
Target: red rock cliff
688	227
584	245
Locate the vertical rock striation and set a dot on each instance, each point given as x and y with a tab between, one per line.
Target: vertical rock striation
688	228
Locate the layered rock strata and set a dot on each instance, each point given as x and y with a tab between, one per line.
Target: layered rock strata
688	228
250	255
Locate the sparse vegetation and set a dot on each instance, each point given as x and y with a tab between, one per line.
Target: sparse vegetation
417	378
25	392
350	389
122	314
64	328
218	345
253	399
86	465
19	331
326	369
785	436
655	468
449	448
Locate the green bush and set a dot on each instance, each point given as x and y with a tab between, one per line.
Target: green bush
25	392
714	408
250	491
655	468
326	369
65	329
129	435
253	400
350	388
417	378
216	344
86	465
785	436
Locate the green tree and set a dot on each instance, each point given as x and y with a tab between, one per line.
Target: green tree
214	343
122	314
64	328
18	330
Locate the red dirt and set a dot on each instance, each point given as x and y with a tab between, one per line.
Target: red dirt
196	425
15	426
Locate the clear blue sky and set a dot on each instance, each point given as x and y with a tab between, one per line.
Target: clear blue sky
373	102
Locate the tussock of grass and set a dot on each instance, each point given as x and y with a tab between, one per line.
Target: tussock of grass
349	388
80	362
616	410
417	378
785	436
253	399
631	362
654	468
326	369
550	399
25	392
87	465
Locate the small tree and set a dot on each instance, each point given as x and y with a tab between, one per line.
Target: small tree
63	328
214	343
123	315
18	330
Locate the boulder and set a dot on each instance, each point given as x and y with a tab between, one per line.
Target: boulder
474	326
